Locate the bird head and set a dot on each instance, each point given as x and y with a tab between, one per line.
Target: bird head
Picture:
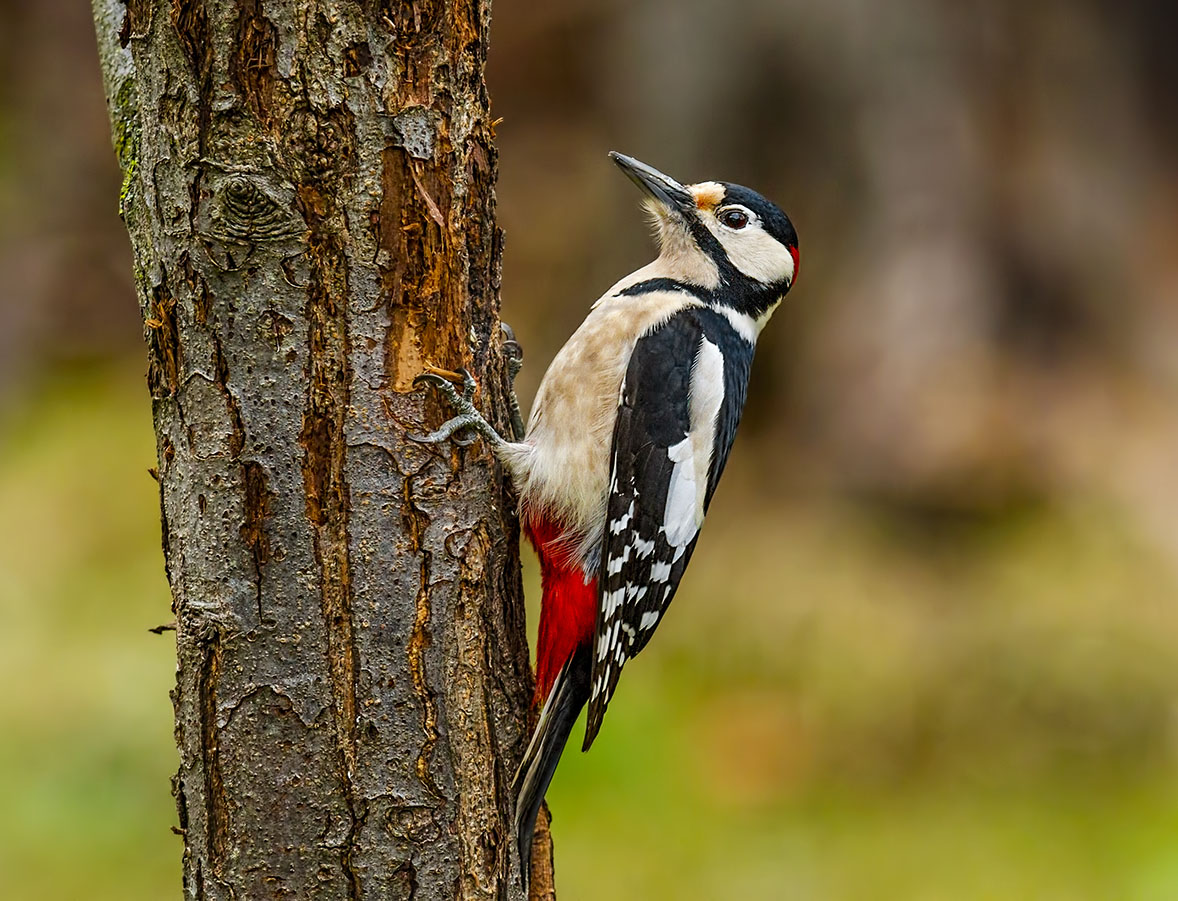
716	233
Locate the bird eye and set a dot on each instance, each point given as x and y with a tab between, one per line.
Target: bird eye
734	219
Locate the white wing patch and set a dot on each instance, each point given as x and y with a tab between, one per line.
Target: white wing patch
679	516
692	456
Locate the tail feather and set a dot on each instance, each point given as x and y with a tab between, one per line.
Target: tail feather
555	723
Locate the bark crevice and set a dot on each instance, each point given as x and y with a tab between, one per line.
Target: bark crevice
217	808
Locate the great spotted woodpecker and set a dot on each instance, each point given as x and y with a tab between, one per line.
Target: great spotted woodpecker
628	436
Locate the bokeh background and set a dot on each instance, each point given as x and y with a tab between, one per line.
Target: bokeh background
928	648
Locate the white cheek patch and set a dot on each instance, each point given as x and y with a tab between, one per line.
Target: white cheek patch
757	254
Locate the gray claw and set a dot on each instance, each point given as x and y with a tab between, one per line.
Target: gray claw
429	378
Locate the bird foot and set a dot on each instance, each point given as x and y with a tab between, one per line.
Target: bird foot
468	418
514	352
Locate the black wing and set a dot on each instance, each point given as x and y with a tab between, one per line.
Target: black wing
680	404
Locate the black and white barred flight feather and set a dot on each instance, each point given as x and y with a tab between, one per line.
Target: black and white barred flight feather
680	403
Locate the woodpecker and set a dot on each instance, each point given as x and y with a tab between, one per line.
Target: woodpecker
628	436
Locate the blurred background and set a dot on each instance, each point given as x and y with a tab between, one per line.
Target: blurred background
927	646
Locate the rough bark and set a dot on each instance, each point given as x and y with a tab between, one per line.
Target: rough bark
309	190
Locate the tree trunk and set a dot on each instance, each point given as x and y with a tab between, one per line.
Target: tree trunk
309	190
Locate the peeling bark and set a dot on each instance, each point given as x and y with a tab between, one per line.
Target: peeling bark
309	190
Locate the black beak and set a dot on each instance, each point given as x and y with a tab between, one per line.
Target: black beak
662	188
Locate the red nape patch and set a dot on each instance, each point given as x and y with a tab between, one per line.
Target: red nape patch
568	610
793	252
